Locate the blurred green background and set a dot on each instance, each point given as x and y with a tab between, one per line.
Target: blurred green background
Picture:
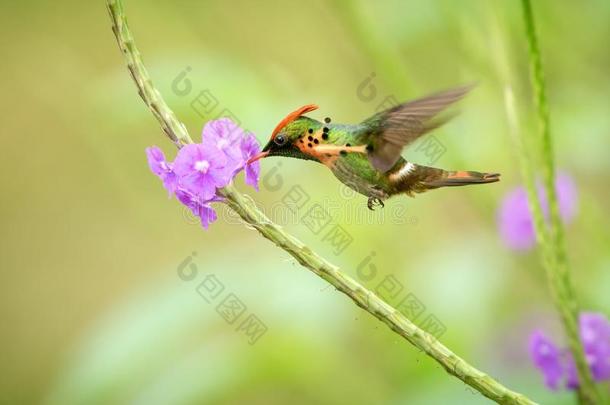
92	306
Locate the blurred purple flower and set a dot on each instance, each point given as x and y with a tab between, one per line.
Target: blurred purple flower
201	169
595	335
546	357
159	166
515	220
557	365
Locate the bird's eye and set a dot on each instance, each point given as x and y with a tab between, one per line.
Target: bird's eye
280	140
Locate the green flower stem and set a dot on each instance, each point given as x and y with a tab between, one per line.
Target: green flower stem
552	237
248	211
371	303
173	128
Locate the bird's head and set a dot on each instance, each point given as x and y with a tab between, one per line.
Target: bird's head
286	135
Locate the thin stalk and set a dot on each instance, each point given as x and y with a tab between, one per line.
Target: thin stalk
173	128
551	236
249	212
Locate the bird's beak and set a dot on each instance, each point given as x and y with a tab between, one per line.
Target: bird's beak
257	157
264	153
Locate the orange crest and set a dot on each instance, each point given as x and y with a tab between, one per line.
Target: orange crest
293	116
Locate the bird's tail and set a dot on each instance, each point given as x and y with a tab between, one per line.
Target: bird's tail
424	178
461	178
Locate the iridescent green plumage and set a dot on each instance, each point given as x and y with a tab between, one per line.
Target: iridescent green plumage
366	156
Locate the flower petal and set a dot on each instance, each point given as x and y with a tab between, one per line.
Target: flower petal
514	217
155	157
567	197
159	166
225	135
595	336
198	178
198	206
547	358
207	215
249	148
515	221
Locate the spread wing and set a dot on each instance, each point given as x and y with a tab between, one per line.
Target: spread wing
393	129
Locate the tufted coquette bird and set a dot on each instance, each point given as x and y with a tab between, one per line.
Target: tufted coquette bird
367	156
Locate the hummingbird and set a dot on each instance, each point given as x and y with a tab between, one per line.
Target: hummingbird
367	156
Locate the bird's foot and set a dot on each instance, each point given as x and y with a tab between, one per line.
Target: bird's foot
374	201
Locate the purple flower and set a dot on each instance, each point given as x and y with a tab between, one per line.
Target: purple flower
595	335
201	169
198	206
515	220
250	148
237	144
566	197
558	365
226	136
546	357
159	166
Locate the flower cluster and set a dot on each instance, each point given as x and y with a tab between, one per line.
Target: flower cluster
515	219
202	168
558	365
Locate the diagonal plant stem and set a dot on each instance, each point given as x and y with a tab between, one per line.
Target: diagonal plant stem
173	128
248	211
551	237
